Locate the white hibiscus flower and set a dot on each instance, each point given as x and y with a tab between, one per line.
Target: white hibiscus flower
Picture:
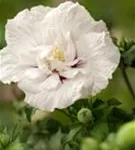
57	55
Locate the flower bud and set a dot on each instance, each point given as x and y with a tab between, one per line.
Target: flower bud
125	138
85	115
89	144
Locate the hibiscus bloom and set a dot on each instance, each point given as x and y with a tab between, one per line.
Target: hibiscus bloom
57	55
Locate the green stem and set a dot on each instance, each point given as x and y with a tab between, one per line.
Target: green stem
126	79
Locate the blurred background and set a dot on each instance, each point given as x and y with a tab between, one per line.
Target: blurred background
120	18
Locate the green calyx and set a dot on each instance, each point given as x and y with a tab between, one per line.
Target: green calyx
85	115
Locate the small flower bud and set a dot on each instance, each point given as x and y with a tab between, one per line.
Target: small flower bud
89	144
85	115
125	138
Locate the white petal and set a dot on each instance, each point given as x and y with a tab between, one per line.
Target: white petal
74	62
34	73
32	81
22	30
98	26
10	70
97	46
52	82
39	12
102	59
87	44
71	17
20	35
70	73
28	85
61	97
100	82
70	52
58	65
36	81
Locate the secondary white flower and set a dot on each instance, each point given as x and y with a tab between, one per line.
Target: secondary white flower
57	55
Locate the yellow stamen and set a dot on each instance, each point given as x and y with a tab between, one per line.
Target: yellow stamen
58	54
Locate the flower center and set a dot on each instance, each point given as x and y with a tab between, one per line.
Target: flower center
58	54
46	58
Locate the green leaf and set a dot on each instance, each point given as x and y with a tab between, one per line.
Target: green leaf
4	138
72	134
120	114
116	118
48	126
125	44
52	125
16	145
15	132
61	116
56	140
129	57
97	103
29	111
113	102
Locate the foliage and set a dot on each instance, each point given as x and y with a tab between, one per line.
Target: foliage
51	134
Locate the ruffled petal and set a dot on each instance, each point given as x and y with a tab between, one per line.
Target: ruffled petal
23	31
51	82
70	52
33	80
61	97
10	70
102	58
70	16
70	73
98	26
39	12
36	80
